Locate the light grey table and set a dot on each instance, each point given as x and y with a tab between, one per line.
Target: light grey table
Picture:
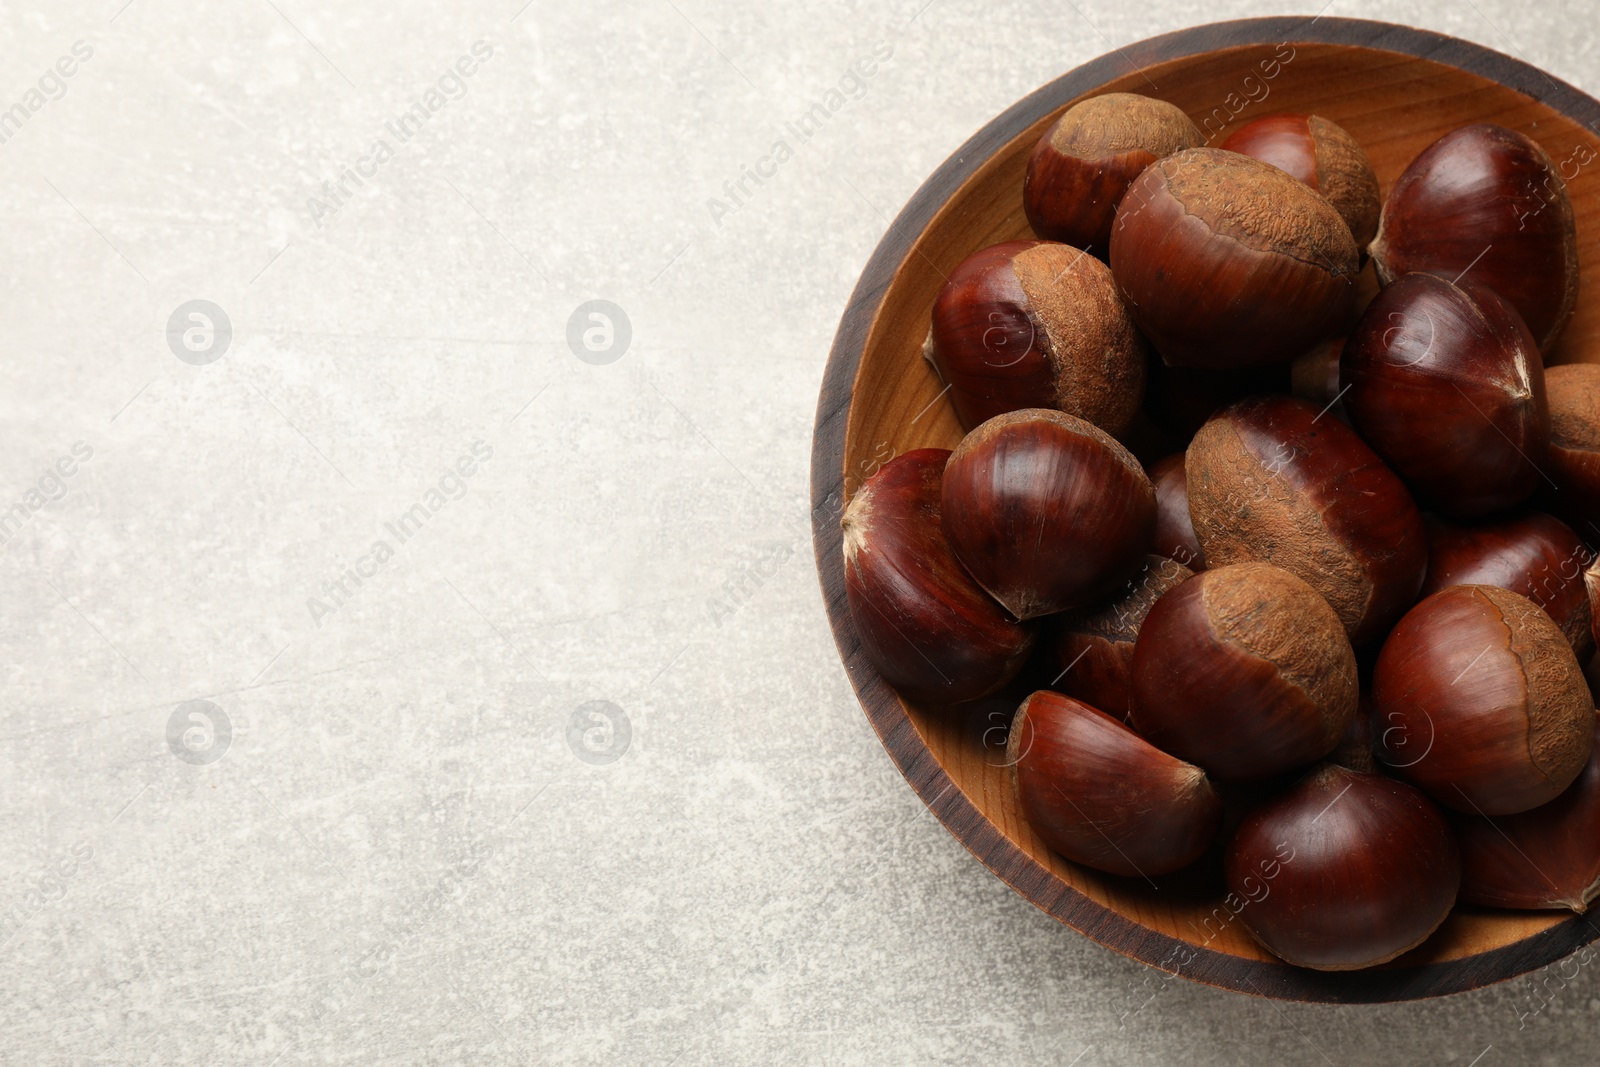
403	666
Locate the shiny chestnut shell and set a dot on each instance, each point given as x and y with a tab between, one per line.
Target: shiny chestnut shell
1481	702
1048	512
1487	203
1324	156
927	627
1345	870
1447	385
1274	479
1100	795
1226	261
1036	324
1175	537
1573	461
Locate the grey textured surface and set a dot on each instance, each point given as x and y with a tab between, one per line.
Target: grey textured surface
416	846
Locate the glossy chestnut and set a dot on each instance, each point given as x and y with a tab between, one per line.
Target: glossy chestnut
1175	536
927	627
1324	156
1574	456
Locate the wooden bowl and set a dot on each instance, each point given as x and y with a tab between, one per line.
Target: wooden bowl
1396	90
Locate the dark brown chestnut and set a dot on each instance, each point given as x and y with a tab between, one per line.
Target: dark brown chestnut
1102	796
1245	671
1545	858
1273	479
1086	160
931	632
1482	702
1175	537
1034	324
1314	377
1226	261
1345	870
1487	203
1535	554
1089	654
1047	511
1447	385
1324	156
1574	456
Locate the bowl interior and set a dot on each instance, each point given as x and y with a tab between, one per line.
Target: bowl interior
1394	104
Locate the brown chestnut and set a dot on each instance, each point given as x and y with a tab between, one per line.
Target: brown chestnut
1102	796
1245	671
931	632
1345	870
1486	202
1324	156
1273	479
1314	377
1047	511
1574	456
1226	261
1034	324
1535	554
1447	385
1545	858
1482	702
1089	654
1175	537
1086	160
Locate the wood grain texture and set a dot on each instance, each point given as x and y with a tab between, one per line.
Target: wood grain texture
1395	89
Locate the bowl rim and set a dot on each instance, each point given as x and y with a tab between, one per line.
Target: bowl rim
883	708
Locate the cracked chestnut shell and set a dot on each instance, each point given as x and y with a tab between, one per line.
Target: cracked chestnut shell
1345	870
1447	385
1482	702
1226	261
931	632
1047	511
1324	156
1245	671
1102	796
1035	324
1486	202
1574	456
1086	160
1273	479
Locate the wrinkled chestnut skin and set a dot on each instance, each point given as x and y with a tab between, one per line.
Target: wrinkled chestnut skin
1102	796
1086	160
1323	156
1226	261
1447	385
1175	537
1245	671
1535	554
1035	324
1545	858
1573	462
1345	870
1047	512
1089	654
931	632
1273	479
1482	702
1488	202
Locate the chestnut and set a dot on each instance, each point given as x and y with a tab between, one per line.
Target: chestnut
1447	385
1048	512
1245	671
1226	261
1545	858
1034	324
1535	554
1085	161
1482	702
1175	537
1314	376
1574	456
1272	479
1102	796
1322	155
1486	202
931	632
1089	654
1345	870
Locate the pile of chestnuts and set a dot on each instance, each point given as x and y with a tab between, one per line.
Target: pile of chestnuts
1296	585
